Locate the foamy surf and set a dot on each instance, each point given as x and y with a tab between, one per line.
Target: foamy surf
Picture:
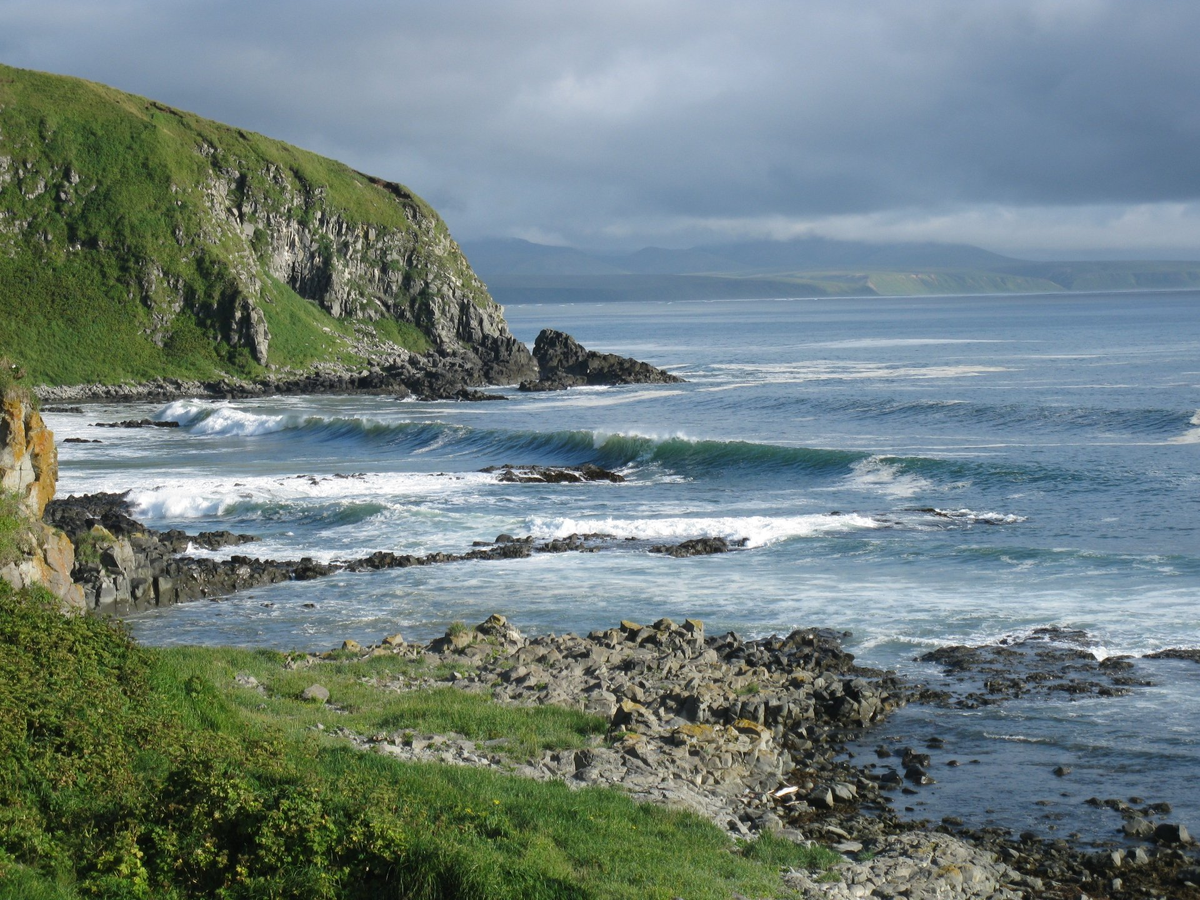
970	517
879	474
1192	435
207	498
757	531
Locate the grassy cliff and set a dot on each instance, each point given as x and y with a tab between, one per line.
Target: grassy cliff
137	240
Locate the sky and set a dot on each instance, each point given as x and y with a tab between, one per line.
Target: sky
1064	129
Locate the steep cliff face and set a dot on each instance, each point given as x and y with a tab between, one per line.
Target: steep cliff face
38	554
137	241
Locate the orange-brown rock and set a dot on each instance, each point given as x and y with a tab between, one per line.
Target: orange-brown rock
29	469
28	458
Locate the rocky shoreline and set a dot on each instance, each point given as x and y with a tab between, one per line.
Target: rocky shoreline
752	735
559	361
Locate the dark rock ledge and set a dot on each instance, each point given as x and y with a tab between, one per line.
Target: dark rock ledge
124	566
563	363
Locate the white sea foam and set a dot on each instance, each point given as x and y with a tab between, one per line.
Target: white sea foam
194	498
1016	738
604	397
877	473
222	420
903	342
970	517
758	531
1192	435
841	370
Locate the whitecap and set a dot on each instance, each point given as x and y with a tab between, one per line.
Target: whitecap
206	418
970	517
1192	435
877	473
758	531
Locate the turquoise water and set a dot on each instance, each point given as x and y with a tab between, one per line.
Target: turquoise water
915	471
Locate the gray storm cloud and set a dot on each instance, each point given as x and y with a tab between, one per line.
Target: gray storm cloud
1058	124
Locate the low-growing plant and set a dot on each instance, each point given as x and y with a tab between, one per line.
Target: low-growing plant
780	852
16	527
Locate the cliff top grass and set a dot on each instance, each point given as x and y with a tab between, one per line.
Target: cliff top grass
128	772
114	266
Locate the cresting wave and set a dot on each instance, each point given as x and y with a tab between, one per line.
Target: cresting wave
674	455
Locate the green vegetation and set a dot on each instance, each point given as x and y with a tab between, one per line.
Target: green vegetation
16	528
133	238
779	852
134	773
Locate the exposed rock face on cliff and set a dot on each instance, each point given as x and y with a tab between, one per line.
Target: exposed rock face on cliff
563	363
29	472
158	243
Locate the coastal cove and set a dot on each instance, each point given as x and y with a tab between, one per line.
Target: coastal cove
917	472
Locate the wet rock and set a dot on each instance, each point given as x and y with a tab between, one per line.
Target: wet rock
1172	833
563	363
698	547
509	474
136	423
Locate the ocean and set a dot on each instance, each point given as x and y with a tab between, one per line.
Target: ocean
918	472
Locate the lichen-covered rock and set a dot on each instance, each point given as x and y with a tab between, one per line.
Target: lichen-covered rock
29	470
28	458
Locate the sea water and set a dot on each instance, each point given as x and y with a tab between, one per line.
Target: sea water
915	471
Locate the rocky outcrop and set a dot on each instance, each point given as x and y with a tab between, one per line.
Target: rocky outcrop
563	363
288	230
29	474
709	722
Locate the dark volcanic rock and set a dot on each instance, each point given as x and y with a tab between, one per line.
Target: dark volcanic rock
698	547
136	423
1189	653
553	474
563	363
1047	660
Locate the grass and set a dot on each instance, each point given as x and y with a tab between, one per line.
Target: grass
16	527
127	772
115	266
302	333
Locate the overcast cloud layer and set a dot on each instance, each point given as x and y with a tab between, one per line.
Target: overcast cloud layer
1026	126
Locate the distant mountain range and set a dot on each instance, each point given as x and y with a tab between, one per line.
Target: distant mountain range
518	271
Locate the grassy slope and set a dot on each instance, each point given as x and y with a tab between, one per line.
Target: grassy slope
129	773
72	315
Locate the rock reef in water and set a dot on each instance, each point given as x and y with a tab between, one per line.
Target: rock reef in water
563	362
